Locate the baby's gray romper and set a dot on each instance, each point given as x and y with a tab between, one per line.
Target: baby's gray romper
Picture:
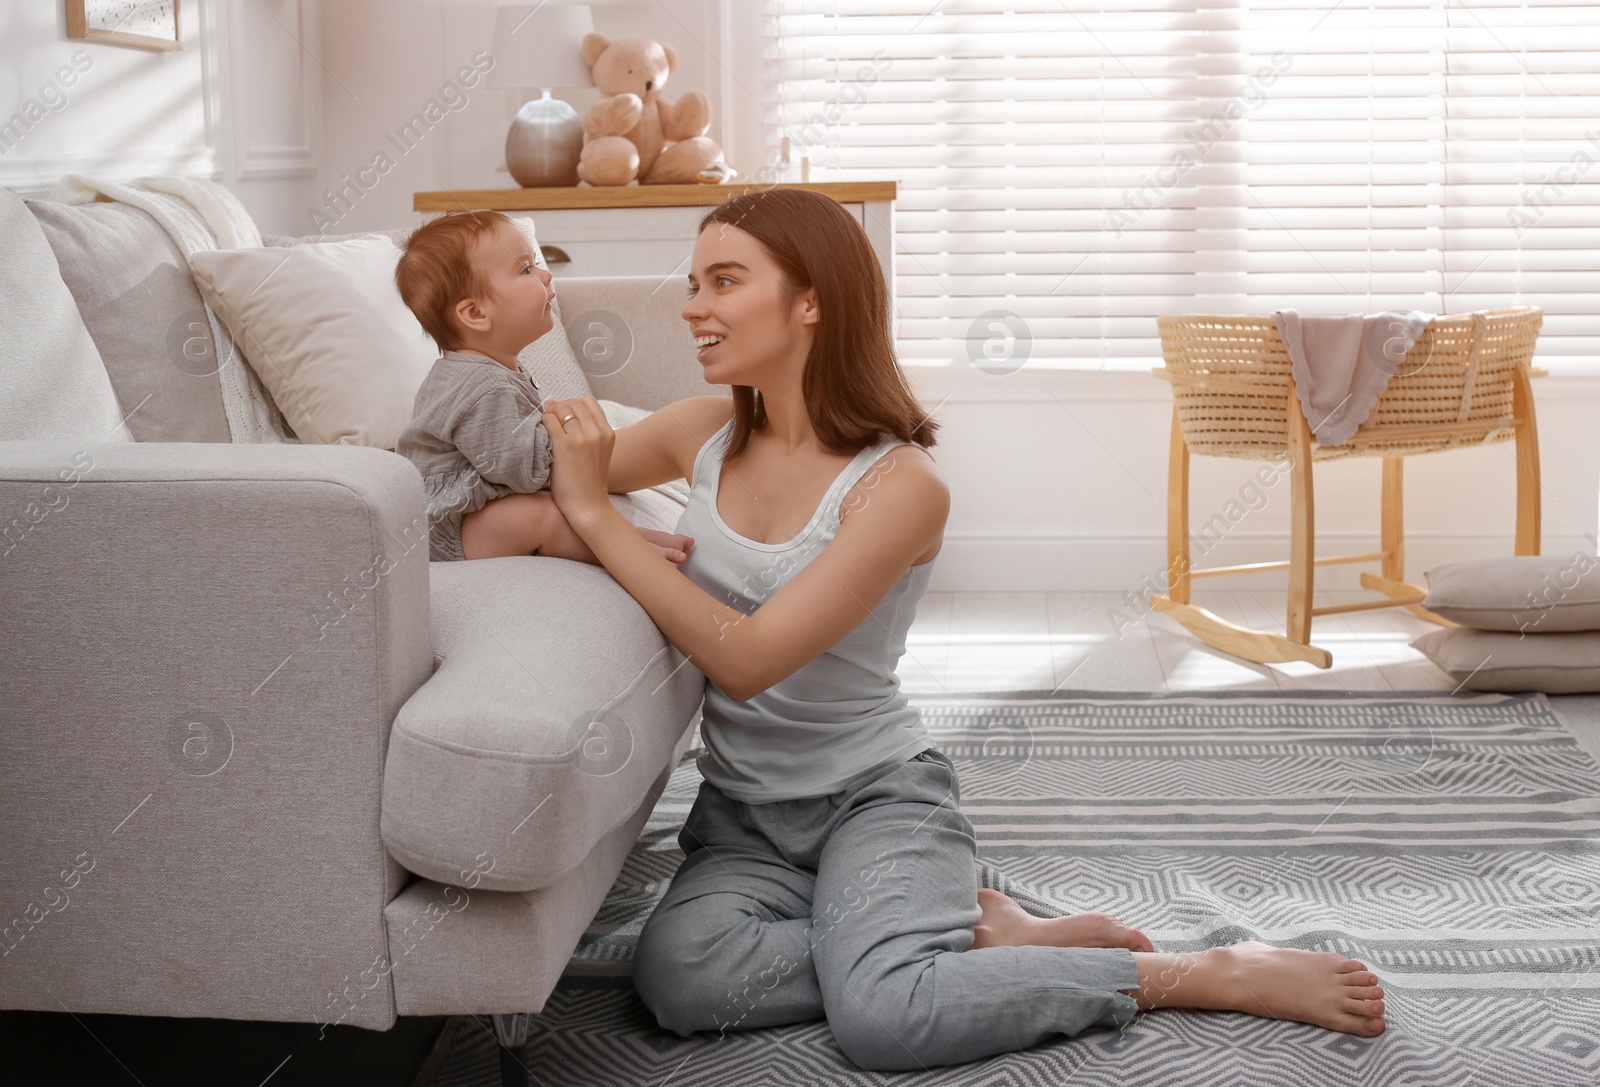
476	434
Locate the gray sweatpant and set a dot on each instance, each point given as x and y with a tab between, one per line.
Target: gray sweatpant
858	907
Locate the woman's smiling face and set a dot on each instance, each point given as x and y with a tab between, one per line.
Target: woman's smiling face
742	323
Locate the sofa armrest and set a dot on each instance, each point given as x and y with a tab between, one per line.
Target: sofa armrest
631	340
207	646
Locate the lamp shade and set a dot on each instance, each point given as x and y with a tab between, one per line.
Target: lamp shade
539	46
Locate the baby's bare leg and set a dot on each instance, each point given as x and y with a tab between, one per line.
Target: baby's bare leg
522	524
532	524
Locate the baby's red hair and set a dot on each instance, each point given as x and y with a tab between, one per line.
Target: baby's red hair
436	271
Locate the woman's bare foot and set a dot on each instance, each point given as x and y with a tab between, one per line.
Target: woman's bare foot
671	546
1323	988
1006	924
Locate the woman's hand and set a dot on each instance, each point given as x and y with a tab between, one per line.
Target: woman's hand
580	454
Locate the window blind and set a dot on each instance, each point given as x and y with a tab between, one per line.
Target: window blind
1070	171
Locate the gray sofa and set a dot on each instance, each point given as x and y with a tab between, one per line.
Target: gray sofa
262	760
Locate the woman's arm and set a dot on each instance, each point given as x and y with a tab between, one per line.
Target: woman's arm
662	446
895	515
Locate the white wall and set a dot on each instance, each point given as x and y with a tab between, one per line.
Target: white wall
238	103
387	58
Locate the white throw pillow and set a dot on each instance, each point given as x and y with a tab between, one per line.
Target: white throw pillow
324	328
53	383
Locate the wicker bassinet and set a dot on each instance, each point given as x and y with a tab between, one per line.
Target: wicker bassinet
1230	384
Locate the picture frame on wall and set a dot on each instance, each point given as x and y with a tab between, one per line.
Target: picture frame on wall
137	24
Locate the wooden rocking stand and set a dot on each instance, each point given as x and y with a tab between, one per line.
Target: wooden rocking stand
1464	383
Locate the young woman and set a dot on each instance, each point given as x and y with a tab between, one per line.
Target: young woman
829	871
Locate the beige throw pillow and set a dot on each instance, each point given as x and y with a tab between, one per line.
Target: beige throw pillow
1528	594
325	329
1491	660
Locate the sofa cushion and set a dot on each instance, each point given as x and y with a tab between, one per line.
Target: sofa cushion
53	384
625	415
647	358
549	358
555	705
136	296
1492	660
1532	594
325	329
506	950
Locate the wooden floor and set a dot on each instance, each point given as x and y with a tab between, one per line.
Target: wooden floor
1107	641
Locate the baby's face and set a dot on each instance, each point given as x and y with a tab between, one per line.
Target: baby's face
521	308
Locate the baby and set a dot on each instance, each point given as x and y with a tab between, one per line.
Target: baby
476	434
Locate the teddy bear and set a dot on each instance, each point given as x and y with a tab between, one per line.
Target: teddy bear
633	132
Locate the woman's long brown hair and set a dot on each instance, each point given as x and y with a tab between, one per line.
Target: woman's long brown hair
853	386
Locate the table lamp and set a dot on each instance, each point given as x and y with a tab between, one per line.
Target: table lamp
540	46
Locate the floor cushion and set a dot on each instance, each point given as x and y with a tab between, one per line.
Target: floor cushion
1528	594
1492	660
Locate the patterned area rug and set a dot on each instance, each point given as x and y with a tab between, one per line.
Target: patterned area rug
1451	843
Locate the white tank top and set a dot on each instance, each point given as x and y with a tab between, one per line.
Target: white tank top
842	716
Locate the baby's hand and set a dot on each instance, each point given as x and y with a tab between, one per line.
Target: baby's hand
673	547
